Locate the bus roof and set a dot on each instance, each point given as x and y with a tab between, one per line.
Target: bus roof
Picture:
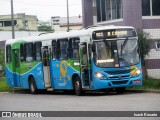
61	35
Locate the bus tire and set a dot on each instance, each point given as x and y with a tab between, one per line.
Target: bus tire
78	86
120	90
32	86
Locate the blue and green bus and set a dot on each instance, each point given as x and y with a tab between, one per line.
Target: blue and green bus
96	58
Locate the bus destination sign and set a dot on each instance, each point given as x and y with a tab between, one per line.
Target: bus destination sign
110	34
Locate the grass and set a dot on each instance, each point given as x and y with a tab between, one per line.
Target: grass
148	84
3	85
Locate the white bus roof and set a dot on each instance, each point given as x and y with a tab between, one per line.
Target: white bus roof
61	35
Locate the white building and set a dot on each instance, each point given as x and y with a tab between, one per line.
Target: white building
60	23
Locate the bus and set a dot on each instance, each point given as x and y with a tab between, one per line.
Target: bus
95	58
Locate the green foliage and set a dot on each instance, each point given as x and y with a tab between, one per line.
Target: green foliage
144	44
151	83
44	28
148	84
3	85
2	62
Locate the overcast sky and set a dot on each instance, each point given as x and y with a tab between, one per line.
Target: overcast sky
44	9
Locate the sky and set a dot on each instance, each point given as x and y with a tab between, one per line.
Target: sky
44	9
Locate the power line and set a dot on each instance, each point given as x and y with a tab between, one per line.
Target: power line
39	4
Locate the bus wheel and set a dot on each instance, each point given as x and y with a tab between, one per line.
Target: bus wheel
120	90
78	86
32	86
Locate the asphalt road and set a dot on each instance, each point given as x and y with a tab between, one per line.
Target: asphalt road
91	101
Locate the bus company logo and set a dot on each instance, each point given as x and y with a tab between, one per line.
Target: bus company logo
63	68
119	76
6	114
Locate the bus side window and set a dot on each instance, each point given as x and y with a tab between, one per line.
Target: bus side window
63	49
29	52
54	49
8	53
73	48
22	52
37	51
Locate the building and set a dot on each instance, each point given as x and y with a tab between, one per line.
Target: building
22	22
44	23
141	14
55	23
60	23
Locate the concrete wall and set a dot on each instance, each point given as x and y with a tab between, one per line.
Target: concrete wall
71	27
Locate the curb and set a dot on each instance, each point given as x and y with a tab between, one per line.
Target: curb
144	91
133	91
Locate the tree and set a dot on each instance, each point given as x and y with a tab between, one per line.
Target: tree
44	28
144	47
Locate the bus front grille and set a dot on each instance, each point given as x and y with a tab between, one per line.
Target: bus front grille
119	82
118	72
118	77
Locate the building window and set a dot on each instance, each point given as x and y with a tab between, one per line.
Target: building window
155	7
7	23
98	10
157	45
150	7
108	10
146	8
103	5
1	24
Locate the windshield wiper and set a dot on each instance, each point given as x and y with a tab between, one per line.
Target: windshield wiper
124	44
107	44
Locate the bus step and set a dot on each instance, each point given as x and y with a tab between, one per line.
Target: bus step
86	81
50	89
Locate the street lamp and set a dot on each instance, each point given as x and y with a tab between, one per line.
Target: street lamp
12	19
67	17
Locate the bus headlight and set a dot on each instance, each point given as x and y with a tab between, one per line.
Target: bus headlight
99	75
138	72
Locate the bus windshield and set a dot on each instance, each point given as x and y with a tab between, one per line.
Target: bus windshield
116	53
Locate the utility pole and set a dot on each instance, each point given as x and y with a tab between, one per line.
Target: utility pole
67	17
12	19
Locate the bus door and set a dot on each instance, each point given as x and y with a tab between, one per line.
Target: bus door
84	63
46	66
16	67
